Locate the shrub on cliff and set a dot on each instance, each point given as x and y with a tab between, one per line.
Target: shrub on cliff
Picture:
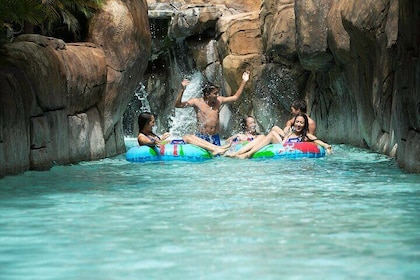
64	19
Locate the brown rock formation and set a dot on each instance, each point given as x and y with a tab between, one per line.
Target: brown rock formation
354	62
62	103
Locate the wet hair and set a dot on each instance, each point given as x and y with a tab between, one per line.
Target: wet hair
300	105
243	122
305	126
143	119
209	88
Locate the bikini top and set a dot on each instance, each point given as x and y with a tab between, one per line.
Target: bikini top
248	138
294	140
151	137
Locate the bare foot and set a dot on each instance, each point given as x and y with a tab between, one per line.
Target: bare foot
230	154
227	146
242	156
225	149
218	152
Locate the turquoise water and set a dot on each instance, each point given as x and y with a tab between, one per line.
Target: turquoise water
351	215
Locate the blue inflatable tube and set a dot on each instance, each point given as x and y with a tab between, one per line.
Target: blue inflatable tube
189	152
168	152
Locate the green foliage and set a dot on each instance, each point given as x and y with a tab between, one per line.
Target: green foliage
44	15
17	11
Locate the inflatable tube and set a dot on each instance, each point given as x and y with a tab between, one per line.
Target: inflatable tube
289	150
168	152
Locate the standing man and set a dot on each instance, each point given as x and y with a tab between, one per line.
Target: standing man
207	109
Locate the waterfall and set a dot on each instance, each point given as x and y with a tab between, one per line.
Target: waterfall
184	120
137	105
141	94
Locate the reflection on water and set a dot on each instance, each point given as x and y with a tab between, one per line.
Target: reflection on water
349	215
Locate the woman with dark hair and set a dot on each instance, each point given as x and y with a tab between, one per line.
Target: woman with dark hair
299	130
146	135
299	133
298	106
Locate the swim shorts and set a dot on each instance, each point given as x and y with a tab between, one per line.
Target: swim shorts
214	139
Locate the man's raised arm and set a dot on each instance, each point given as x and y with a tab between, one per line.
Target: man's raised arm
178	102
238	93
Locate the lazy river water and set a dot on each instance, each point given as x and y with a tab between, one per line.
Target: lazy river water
350	215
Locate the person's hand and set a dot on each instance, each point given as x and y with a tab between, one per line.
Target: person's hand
245	76
160	142
165	135
185	83
329	149
230	139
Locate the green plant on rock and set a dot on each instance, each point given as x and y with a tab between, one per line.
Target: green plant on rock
44	16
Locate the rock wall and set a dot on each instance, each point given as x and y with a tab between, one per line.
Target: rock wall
354	62
63	103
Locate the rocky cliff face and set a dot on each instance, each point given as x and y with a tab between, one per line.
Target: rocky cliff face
62	103
354	62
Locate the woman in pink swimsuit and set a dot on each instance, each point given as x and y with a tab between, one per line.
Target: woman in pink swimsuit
249	126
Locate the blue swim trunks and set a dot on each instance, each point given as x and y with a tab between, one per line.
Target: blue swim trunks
214	139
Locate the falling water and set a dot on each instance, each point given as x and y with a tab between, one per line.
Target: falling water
137	105
184	121
141	95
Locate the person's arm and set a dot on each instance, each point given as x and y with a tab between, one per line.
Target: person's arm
144	140
164	137
287	135
178	101
312	127
156	141
279	131
287	128
321	143
239	138
231	138
238	93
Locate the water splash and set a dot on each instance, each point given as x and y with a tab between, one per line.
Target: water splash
137	105
141	95
184	120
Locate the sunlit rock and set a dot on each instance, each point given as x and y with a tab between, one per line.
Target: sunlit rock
62	103
354	62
